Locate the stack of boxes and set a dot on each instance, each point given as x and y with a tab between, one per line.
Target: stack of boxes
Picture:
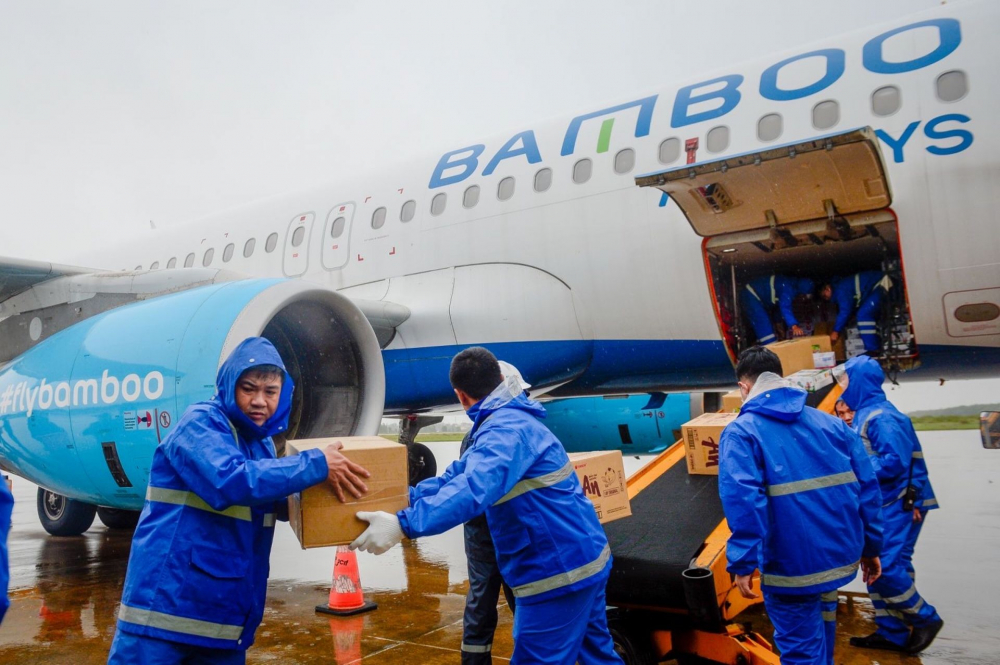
853	346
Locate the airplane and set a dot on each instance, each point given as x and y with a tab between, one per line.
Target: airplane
600	254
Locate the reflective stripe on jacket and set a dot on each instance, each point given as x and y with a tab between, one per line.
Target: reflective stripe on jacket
198	569
547	537
779	290
798	492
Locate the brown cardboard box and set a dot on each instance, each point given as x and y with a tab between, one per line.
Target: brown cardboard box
318	517
602	475
701	441
732	401
797	354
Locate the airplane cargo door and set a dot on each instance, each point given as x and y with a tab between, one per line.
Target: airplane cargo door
296	259
336	236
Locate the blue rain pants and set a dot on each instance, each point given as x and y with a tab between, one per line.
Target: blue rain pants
799	629
129	649
566	629
828	605
869	312
894	595
480	619
911	544
760	317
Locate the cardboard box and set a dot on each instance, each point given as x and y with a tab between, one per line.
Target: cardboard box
796	354
318	517
732	401
825	359
701	441
602	475
811	380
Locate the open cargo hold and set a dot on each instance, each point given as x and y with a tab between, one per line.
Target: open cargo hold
816	209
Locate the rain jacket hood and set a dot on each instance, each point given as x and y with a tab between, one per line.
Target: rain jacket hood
774	397
804	286
864	382
508	394
252	352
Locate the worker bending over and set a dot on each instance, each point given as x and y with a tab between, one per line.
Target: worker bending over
861	293
6	508
479	622
802	503
898	459
550	547
761	296
197	574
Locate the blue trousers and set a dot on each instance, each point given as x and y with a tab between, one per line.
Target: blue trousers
760	318
480	619
799	629
869	312
911	544
828	605
898	606
129	649
568	629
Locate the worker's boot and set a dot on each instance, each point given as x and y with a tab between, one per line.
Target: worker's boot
876	641
922	636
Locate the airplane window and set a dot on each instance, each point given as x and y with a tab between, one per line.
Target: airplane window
625	160
769	127
582	170
271	243
337	228
471	197
952	86
138	267
718	139
300	233
227	253
248	248
207	259
172	262
543	179
408	210
438	203
378	218
826	114
886	101
155	265
189	260
505	189
670	150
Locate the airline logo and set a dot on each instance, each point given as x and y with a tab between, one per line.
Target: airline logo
30	396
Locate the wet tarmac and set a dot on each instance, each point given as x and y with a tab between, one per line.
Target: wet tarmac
66	590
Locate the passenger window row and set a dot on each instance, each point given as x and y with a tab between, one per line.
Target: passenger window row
229	250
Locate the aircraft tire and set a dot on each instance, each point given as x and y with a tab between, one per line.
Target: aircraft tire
62	516
422	464
116	518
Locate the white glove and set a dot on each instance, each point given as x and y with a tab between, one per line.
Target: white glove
382	533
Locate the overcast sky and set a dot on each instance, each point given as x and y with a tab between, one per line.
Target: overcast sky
116	113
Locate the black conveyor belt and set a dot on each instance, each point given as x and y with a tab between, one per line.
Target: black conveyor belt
671	518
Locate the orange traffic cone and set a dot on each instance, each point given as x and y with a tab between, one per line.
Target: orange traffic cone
346	596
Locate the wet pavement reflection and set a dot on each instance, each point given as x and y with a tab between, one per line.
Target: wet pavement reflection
66	590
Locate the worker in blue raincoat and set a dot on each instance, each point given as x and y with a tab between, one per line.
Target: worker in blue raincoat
549	544
861	293
761	296
197	574
803	505
906	621
479	622
6	508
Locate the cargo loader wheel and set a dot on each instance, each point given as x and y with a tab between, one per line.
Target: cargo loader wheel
632	644
62	516
422	463
116	518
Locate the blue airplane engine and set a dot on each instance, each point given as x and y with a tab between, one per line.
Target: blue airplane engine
634	424
82	411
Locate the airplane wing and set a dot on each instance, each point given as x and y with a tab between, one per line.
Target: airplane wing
19	275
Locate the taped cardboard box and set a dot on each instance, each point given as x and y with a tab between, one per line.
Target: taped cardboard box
732	401
318	517
701	441
811	380
602	475
797	354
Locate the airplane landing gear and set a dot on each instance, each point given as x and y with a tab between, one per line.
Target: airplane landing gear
62	516
115	518
421	459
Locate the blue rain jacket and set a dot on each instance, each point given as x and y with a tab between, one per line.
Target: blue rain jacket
6	508
850	292
889	437
780	290
546	534
798	492
198	569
